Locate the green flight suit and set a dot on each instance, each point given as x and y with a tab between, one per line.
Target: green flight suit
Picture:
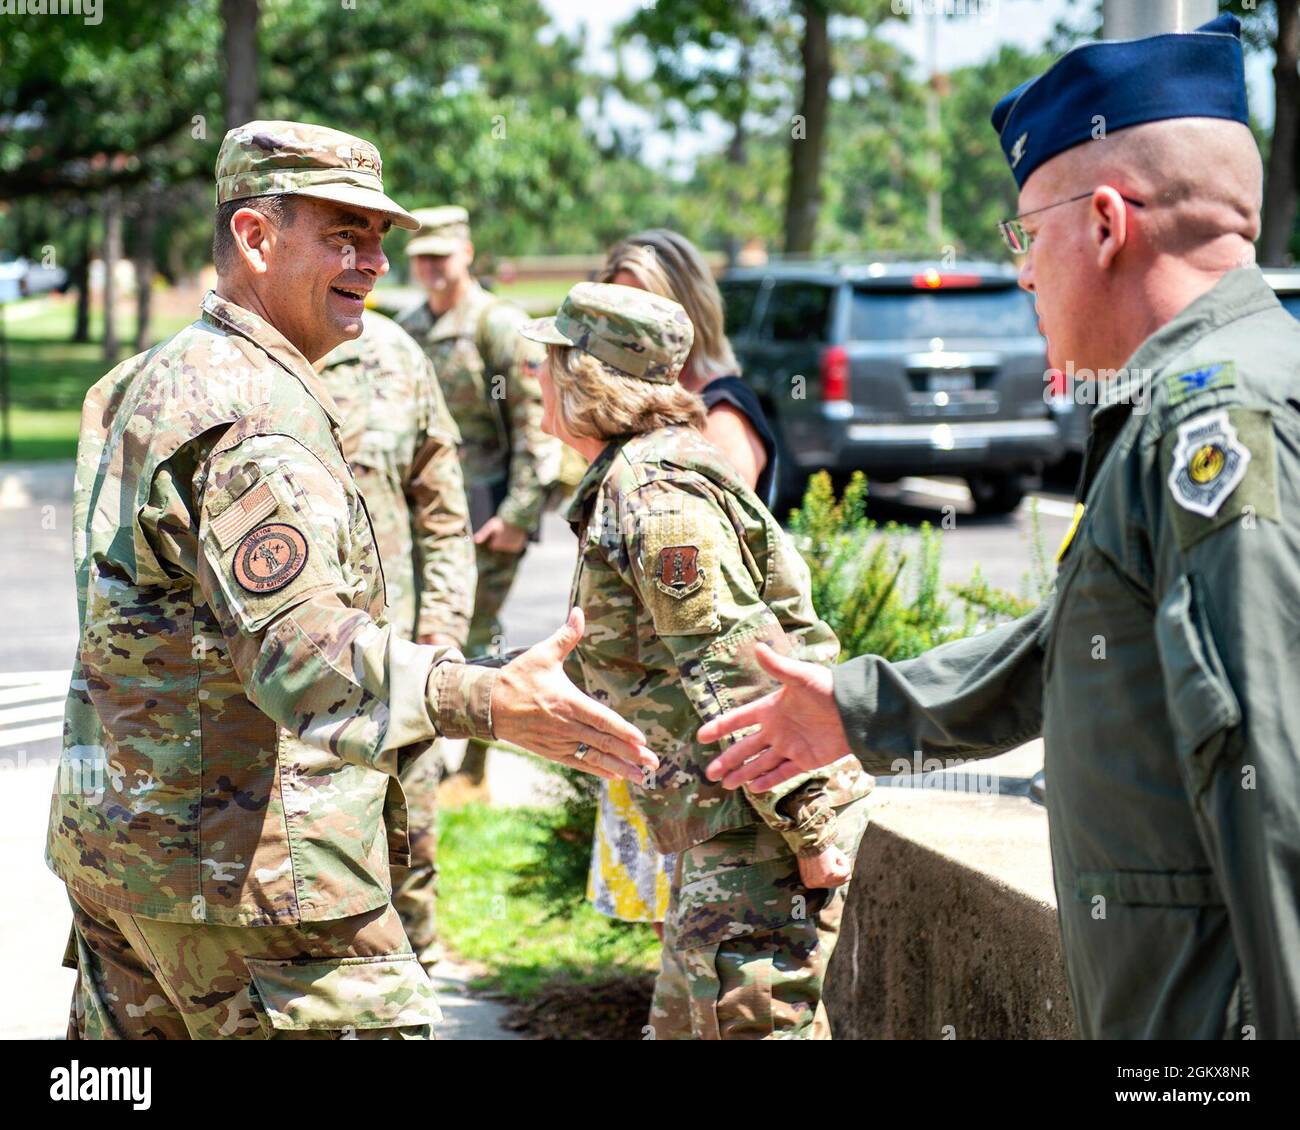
1164	676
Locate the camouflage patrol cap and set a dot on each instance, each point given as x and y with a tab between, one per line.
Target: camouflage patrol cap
441	230
638	333
272	158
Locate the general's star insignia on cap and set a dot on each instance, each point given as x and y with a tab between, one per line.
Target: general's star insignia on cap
1209	462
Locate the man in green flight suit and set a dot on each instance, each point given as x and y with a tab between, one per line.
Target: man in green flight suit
1163	671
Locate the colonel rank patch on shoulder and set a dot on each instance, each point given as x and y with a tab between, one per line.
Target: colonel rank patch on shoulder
1220	466
1221	374
270	557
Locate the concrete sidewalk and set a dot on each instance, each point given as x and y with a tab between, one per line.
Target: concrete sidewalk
35	989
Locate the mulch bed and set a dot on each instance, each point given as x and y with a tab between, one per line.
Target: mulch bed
614	1009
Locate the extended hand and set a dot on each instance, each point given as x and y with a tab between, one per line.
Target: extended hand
829	869
501	536
799	727
534	705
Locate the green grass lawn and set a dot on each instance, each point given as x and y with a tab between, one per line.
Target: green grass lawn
49	375
524	936
540	297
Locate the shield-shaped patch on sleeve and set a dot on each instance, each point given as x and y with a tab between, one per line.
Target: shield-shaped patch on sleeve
679	573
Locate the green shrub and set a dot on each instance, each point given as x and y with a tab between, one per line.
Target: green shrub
879	586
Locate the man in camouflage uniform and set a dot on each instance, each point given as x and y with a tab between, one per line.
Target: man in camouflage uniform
1162	672
488	375
681	570
400	442
226	809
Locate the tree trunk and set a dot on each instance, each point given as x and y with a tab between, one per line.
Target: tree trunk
81	280
736	155
808	132
145	265
239	46
112	253
1280	178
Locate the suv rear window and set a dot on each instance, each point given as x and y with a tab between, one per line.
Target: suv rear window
892	315
798	311
738	301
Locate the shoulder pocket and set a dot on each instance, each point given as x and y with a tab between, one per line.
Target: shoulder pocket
263	551
1201	701
349	992
679	560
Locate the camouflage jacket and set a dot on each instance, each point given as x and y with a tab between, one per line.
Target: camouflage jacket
237	715
488	374
401	443
681	570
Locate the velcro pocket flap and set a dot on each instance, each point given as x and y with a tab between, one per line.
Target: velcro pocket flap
263	551
679	563
391	991
1200	698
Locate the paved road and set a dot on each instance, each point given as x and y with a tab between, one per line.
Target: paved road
38	617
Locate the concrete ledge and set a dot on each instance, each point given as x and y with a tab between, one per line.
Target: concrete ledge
950	929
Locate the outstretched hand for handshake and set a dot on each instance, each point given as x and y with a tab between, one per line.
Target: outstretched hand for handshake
534	705
799	728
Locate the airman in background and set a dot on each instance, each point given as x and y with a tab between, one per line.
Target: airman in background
488	375
400	442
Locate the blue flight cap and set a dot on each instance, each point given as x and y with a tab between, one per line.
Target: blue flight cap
1195	74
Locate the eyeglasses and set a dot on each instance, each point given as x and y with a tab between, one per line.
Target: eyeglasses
1018	240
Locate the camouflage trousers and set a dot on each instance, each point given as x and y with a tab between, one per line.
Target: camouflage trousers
415	888
746	944
142	979
496	575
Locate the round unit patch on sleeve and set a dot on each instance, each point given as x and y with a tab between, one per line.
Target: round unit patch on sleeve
1209	462
270	557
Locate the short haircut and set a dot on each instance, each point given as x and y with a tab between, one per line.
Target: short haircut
276	207
596	401
669	265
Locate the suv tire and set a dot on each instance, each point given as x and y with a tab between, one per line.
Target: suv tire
996	494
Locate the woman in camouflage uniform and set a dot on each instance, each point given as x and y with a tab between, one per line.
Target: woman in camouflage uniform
681	571
629	879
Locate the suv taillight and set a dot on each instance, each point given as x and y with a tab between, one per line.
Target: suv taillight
835	373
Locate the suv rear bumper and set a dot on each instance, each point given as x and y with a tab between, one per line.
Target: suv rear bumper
905	448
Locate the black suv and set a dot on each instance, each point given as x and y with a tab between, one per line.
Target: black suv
896	368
